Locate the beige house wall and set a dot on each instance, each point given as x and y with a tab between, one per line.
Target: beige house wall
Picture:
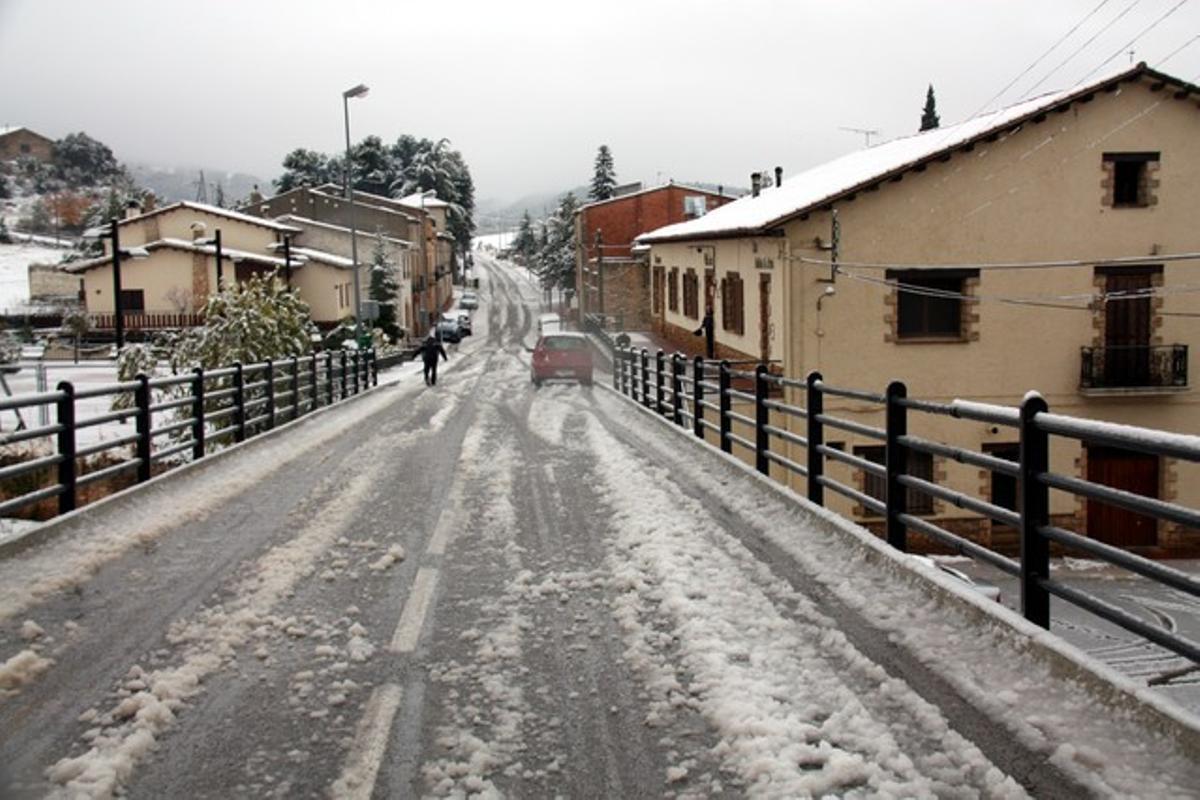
177	224
1035	194
318	284
166	279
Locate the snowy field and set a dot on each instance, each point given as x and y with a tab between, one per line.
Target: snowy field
14	270
494	241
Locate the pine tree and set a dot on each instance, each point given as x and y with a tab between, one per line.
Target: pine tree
604	177
525	242
556	262
929	116
385	289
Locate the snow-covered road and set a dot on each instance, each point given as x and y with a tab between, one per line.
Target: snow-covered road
484	588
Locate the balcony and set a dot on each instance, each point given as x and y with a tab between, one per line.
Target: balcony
1141	369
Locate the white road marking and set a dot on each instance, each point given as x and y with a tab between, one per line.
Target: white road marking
416	608
441	534
357	781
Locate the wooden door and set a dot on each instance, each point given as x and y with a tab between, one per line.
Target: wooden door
764	316
1127	331
659	285
1132	472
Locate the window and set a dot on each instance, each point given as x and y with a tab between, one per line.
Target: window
133	300
733	316
657	296
673	289
694	206
1004	487
1127	179
24	147
920	465
929	302
691	294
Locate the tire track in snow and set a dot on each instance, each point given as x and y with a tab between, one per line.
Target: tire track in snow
208	642
774	687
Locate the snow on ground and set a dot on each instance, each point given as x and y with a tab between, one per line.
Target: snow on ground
798	711
959	641
495	241
14	270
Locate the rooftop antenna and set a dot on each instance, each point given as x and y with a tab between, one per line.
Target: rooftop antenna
866	132
1131	52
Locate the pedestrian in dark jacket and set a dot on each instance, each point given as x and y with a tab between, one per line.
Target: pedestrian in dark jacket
430	349
706	330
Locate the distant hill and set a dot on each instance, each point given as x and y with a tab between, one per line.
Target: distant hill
170	184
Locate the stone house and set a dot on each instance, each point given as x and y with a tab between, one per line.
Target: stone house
1047	246
17	142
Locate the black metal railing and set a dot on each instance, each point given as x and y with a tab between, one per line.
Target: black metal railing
176	419
1133	366
712	397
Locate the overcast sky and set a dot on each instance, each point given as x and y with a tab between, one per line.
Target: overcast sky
695	91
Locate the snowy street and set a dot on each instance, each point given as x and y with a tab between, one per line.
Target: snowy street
484	587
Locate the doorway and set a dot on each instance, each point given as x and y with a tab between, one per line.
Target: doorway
1131	472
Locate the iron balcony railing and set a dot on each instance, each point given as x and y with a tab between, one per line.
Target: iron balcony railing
702	396
1134	366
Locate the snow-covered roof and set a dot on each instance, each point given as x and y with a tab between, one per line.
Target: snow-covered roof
5	130
862	169
414	201
366	199
305	221
191	247
215	211
669	185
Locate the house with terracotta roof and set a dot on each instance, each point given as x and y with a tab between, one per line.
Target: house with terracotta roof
611	279
1051	245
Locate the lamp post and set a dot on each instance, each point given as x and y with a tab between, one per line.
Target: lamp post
118	312
429	286
358	91
215	241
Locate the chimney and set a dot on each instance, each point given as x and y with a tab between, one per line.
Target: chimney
778	177
755	183
198	230
720	191
132	209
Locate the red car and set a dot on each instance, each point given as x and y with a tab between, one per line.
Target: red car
562	356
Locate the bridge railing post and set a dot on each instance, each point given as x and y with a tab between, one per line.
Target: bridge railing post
342	396
141	397
676	389
314	394
645	378
724	401
698	396
896	462
762	418
198	413
659	372
270	372
374	360
67	468
295	387
329	382
816	438
239	402
1035	512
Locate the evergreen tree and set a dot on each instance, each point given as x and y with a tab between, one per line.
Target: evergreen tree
556	262
248	322
80	160
525	242
604	177
304	168
385	289
5	187
219	196
5	236
929	116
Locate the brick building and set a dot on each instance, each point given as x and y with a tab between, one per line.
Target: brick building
611	278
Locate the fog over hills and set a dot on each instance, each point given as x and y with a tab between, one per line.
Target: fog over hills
173	183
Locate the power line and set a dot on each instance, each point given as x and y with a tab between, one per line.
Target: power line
1039	59
1081	47
1128	44
1177	50
1073	262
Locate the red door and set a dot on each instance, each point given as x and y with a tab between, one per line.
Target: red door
1132	472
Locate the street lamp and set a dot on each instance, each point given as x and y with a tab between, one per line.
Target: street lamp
430	286
357	91
113	235
214	240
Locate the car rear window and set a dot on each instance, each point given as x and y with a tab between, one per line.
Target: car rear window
564	343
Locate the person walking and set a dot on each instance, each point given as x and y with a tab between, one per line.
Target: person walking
430	349
706	330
